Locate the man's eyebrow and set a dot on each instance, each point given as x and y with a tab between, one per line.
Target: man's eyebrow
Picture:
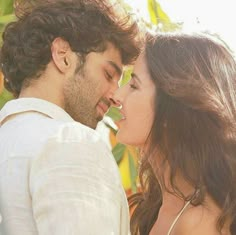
133	75
116	67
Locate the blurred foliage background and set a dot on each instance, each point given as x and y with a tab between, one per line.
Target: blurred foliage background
125	156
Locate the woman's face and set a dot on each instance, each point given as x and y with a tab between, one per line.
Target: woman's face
137	101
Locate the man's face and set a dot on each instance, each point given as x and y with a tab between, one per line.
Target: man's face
88	93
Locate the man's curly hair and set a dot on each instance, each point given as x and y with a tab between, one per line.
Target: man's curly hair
87	25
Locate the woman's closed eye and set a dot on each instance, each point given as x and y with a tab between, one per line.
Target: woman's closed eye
132	86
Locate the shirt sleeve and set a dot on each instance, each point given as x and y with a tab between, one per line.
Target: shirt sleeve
76	189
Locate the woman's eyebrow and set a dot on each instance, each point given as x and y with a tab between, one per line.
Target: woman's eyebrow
133	75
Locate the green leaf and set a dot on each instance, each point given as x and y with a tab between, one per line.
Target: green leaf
159	18
133	172
7	18
114	114
118	152
156	12
6	7
126	76
4	97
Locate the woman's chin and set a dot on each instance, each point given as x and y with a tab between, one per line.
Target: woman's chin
126	139
121	138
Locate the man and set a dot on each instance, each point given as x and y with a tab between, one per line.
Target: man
62	61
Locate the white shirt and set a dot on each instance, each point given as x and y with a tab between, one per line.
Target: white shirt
57	177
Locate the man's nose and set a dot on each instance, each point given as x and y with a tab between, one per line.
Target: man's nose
115	103
113	89
116	100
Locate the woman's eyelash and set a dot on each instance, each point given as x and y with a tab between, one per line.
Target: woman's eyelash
133	86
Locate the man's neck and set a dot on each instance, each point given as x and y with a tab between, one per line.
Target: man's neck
45	92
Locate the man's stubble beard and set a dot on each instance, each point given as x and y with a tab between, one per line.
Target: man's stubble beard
80	98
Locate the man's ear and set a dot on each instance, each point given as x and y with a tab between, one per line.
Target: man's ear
61	51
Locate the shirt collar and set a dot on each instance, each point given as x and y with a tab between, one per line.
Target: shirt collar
21	105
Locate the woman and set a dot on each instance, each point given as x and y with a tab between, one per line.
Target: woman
179	108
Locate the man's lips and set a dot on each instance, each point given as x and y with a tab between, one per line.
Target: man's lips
104	107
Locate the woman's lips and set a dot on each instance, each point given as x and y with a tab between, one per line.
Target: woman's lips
123	117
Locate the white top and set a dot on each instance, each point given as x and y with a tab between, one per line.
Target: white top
57	177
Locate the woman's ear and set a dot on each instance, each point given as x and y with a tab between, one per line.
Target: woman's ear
61	51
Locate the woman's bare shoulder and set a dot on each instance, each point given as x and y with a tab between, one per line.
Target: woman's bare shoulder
198	220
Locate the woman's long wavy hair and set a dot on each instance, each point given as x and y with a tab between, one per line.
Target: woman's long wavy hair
194	127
